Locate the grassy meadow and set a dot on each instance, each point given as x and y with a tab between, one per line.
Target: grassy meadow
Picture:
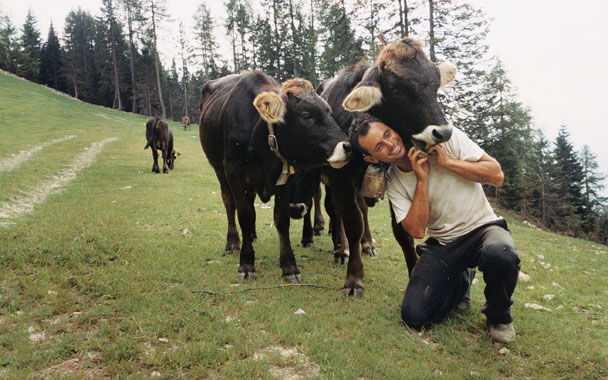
99	279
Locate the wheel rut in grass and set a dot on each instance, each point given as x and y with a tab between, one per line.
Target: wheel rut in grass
13	162
23	204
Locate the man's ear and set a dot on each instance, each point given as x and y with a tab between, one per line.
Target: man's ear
270	106
447	71
366	94
371	159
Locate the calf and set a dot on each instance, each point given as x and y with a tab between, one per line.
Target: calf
159	136
186	123
254	131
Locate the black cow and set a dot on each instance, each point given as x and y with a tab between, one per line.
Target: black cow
399	88
159	136
252	130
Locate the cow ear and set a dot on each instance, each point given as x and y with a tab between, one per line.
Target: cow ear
270	106
367	93
447	71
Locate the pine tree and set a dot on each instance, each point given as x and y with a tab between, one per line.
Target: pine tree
79	62
592	186
50	62
185	55
207	47
370	13
341	47
30	43
11	55
569	178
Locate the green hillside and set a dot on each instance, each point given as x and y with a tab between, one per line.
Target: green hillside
100	261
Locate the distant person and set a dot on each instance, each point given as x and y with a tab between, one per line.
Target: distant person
442	193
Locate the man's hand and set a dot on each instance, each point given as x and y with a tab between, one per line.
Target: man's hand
442	157
419	162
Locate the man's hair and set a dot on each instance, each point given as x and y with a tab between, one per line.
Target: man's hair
360	127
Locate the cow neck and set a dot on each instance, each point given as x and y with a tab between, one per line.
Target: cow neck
273	144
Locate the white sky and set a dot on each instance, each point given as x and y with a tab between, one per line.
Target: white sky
555	52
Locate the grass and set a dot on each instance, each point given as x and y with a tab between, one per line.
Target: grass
97	281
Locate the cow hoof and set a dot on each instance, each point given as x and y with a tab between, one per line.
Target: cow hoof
293	278
354	292
241	276
370	251
165	171
318	231
308	244
340	258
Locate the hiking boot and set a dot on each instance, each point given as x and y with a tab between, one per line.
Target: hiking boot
504	333
464	302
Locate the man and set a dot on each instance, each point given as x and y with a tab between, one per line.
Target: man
441	192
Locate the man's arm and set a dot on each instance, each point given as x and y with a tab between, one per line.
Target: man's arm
418	215
485	171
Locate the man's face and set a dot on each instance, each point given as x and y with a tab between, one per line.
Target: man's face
382	143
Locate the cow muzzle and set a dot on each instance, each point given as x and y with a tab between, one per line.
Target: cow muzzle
341	155
432	134
297	210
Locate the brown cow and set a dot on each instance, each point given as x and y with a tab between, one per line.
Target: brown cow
186	123
159	136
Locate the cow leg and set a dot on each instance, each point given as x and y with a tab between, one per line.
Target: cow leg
246	216
233	242
251	199
338	237
405	241
352	219
155	168
367	243
319	221
165	158
281	221
307	231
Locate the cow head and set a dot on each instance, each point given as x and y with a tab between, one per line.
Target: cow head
401	90
171	160
306	132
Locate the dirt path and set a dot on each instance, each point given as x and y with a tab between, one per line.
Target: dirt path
13	162
25	203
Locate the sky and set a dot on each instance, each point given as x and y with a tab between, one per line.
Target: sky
555	53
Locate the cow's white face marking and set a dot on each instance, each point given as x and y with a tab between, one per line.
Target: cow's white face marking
341	155
434	134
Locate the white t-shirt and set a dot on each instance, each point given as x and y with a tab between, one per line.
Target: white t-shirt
456	205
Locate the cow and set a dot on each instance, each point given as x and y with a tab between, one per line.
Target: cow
399	88
186	123
159	136
253	131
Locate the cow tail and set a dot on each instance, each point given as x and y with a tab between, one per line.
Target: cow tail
150	141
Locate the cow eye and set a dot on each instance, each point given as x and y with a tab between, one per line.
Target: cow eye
306	116
397	91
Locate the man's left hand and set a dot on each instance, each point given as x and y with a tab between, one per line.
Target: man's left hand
442	157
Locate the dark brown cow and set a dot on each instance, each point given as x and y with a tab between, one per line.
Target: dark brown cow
399	88
159	136
252	129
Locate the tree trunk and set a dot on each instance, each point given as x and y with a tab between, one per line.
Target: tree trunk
432	32
156	65
115	65
131	49
277	41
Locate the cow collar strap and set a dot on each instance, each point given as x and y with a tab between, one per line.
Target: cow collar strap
273	144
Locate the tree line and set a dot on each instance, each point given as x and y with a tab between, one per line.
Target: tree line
113	60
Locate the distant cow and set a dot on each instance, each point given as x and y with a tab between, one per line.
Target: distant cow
253	130
186	123
159	136
399	88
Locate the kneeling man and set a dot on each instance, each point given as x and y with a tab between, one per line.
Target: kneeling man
442	193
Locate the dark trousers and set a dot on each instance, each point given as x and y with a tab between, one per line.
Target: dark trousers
439	279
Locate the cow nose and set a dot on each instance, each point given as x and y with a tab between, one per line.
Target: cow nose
442	133
347	148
